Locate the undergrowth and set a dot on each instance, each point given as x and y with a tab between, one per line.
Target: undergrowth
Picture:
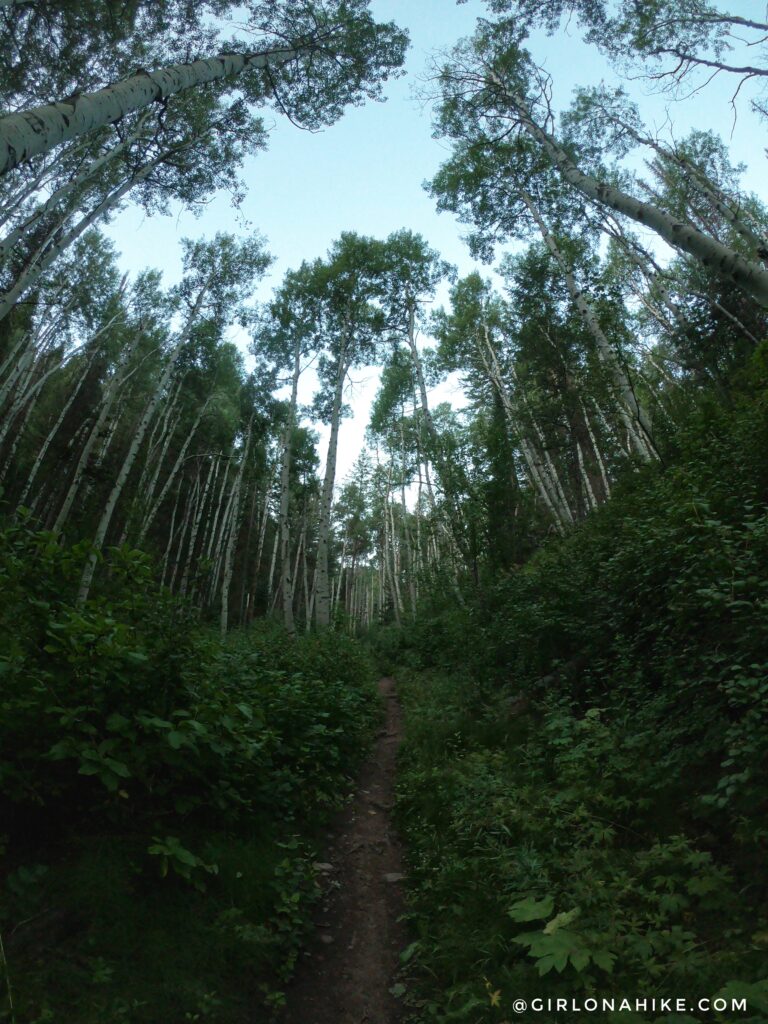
160	796
583	787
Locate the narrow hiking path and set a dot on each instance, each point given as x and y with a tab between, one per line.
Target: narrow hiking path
349	967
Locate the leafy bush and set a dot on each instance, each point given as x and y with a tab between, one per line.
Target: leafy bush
584	780
155	777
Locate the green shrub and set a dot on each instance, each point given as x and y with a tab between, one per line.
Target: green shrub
160	792
584	782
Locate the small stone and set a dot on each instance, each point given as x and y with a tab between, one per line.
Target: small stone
327	939
318	866
394	876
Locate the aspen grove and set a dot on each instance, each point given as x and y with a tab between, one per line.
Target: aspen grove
565	570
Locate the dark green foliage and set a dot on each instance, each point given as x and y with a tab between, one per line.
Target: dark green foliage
160	793
584	781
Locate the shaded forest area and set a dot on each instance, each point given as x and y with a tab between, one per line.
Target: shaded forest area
568	575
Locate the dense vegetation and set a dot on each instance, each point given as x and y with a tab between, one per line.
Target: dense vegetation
567	573
162	793
583	789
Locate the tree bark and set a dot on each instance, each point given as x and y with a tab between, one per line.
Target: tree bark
285	497
722	260
322	585
134	447
39	130
633	411
233	534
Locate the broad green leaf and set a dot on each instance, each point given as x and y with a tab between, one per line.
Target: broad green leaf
531	909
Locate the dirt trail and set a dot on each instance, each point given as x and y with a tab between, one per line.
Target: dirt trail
351	963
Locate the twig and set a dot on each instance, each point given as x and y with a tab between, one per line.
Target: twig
7	974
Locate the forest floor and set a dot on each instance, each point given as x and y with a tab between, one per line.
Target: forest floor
346	974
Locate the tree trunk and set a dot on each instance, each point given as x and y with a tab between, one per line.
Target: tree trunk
210	482
233	534
39	130
633	413
157	504
34	270
190	511
285	498
722	260
133	449
15	236
322	586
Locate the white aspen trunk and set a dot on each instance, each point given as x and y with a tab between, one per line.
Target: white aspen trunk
666	325
353	611
298	557
25	402
632	410
305	578
106	443
285	499
708	188
419	373
40	129
15	236
587	485
610	431
152	464
272	564
62	416
725	262
322	587
220	505
339	579
652	273
552	471
359	602
262	533
134	447
596	450
30	187
313	592
210	482
32	273
19	433
233	535
541	479
122	476
218	549
171	537
419	541
14	385
455	528
245	595
395	569
406	530
382	580
11	367
543	485
51	436
389	541
190	510
32	345
175	470
393	579
145	491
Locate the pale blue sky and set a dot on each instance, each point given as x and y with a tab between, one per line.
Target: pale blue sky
365	173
